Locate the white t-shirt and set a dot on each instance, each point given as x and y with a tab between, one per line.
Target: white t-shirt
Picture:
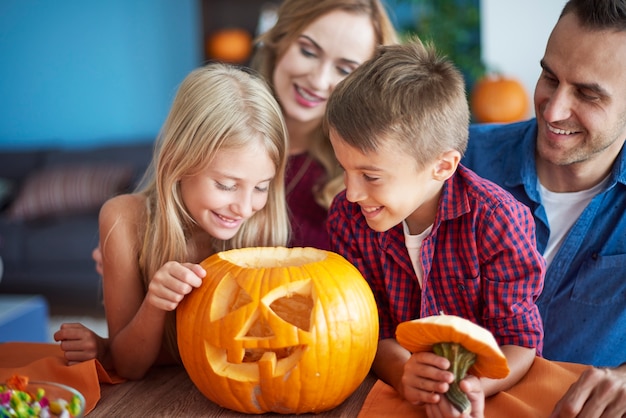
414	246
562	210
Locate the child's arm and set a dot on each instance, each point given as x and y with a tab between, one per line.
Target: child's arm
136	317
520	359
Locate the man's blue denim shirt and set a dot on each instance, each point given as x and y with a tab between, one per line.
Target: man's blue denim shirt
583	304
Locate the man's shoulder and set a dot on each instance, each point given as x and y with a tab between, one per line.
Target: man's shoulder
513	130
497	151
494	138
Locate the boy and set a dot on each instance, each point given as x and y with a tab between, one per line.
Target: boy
427	233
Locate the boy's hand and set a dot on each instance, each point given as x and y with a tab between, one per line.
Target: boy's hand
472	387
172	282
425	378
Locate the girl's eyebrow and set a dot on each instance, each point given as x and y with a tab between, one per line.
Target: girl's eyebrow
316	45
227	176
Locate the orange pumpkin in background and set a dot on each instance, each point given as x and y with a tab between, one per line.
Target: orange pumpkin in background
285	330
496	98
232	45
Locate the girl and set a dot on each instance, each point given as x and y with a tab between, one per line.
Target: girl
216	182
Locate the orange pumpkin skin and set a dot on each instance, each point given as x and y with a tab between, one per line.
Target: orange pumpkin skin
232	45
278	330
498	99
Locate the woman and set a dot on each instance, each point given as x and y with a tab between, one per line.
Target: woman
313	46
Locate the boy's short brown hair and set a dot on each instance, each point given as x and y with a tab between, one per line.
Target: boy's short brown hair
406	93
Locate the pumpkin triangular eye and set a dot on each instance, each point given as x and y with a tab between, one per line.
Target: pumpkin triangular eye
229	296
295	309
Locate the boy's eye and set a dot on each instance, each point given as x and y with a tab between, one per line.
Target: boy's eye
370	178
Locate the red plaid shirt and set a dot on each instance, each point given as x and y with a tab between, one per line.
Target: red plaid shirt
480	262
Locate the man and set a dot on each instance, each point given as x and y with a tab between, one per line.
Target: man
569	166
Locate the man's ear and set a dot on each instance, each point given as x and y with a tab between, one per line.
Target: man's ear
446	165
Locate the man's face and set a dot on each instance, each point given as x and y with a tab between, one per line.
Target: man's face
580	97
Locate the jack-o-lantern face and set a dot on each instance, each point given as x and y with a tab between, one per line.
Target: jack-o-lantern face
266	335
270	326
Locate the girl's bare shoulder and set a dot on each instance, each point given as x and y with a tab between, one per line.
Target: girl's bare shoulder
124	208
125	204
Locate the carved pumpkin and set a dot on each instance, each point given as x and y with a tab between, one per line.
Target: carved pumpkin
286	330
496	98
232	45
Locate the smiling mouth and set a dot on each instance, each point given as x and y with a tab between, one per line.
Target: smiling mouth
370	212
559	131
227	220
306	96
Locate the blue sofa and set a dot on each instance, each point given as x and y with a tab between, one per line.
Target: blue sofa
49	204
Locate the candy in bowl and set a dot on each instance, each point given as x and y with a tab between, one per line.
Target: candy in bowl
20	397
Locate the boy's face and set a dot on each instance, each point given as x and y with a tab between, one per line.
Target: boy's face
389	186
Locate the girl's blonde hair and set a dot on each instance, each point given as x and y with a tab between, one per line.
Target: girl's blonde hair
294	16
217	107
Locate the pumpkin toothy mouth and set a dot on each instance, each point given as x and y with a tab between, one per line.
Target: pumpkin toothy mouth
252	355
257	364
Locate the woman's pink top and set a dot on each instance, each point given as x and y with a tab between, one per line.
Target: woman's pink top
308	218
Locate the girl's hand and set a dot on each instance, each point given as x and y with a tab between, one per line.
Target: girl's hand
425	378
96	254
172	283
79	344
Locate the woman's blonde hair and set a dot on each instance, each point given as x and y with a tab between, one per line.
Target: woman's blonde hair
294	16
217	107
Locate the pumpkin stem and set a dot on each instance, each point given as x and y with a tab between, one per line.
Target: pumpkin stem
461	360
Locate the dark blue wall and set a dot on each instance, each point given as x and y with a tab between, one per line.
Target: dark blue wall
80	73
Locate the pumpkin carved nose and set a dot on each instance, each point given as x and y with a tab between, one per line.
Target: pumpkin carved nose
294	309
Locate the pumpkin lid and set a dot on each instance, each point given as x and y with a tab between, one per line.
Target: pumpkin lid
421	334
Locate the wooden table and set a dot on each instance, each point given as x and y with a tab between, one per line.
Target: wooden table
168	392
